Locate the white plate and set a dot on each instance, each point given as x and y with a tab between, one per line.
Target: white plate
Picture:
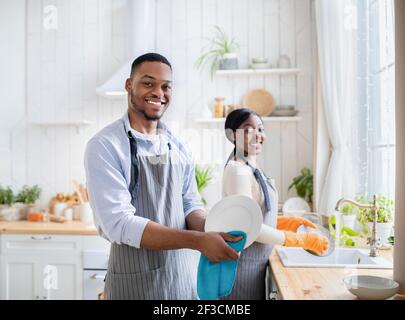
236	213
296	205
284	113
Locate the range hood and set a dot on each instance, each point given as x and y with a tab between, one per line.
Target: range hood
141	39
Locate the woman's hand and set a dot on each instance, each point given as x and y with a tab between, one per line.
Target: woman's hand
213	246
310	241
292	223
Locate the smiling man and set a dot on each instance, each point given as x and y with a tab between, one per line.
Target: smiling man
144	197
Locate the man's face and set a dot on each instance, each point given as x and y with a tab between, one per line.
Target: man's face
150	89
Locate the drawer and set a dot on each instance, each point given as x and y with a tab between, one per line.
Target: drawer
40	244
95	243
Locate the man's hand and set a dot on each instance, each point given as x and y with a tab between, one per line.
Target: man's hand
213	246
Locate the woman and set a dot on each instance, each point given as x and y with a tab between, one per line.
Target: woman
245	129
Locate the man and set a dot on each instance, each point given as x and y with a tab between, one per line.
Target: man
143	193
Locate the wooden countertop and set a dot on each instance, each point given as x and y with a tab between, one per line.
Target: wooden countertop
319	283
71	227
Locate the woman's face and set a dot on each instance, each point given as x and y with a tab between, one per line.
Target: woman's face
250	136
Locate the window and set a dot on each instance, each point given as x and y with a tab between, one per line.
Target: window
374	129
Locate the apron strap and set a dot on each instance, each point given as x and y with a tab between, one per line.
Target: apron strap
259	177
134	162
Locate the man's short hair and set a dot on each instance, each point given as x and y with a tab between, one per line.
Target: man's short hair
151	57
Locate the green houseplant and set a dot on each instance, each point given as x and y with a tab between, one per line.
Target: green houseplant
29	195
385	211
16	207
349	213
220	52
203	177
385	216
303	184
6	196
8	211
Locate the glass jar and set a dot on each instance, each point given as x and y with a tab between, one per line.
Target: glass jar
219	107
284	61
228	109
35	214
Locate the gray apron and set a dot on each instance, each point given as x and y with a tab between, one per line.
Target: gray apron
253	261
156	189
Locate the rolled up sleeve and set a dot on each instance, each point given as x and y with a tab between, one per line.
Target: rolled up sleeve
109	196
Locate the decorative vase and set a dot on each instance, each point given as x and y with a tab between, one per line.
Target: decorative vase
228	62
9	213
383	229
284	61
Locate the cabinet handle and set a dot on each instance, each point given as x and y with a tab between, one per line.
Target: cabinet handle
41	238
36	297
44	298
96	276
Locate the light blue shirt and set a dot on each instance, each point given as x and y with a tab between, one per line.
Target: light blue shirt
107	163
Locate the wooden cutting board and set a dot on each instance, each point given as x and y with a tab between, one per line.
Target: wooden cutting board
260	101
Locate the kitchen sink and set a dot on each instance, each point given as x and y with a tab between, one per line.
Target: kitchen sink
339	258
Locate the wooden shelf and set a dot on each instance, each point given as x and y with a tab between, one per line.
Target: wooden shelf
274	71
265	119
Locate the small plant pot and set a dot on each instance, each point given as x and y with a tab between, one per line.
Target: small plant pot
9	213
229	62
23	209
349	221
383	229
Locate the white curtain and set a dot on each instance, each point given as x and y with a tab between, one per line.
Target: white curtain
336	24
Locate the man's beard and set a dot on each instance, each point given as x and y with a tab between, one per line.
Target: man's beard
143	112
149	118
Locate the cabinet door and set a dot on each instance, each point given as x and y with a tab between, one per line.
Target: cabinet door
61	278
18	278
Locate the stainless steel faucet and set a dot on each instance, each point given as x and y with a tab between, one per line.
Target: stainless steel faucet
373	241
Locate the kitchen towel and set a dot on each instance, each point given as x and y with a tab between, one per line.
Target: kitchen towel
216	280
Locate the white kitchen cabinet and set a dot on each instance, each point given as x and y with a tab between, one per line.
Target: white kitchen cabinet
60	278
41	266
18	278
40	278
272	290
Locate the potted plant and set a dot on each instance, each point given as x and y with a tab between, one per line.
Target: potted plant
220	53
303	184
6	196
203	177
385	216
7	210
349	213
27	198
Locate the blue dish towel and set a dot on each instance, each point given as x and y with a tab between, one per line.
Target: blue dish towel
216	280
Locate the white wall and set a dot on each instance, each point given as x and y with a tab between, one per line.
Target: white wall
64	67
12	93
